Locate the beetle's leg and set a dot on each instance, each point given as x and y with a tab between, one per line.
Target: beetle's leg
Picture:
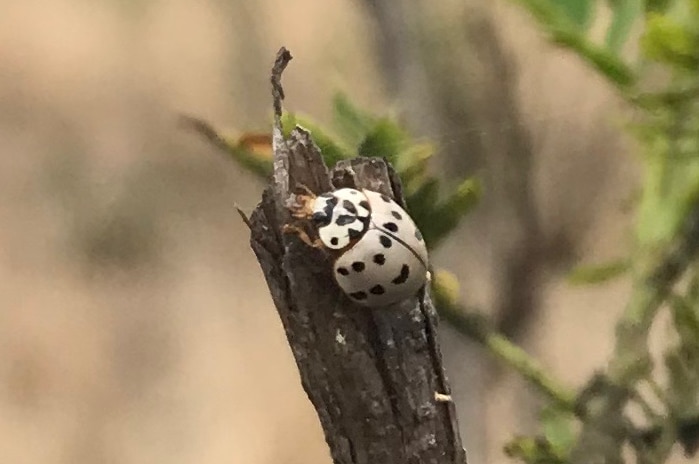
301	211
301	207
293	229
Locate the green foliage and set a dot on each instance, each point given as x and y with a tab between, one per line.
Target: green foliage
682	358
385	138
553	446
673	41
252	151
253	162
625	13
350	120
533	451
359	133
579	12
666	127
658	6
586	275
669	130
558	430
567	23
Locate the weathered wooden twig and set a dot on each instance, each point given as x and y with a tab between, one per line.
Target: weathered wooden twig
375	377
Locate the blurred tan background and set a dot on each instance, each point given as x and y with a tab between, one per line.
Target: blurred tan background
135	326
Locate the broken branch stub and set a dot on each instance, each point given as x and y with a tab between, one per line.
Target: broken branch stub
375	377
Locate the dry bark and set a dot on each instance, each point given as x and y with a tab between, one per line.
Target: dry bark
371	374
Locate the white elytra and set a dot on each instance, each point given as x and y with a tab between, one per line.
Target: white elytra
386	258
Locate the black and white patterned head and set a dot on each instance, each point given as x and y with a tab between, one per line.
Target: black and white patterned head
342	217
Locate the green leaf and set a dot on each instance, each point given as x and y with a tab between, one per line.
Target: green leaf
412	163
605	62
564	32
249	160
242	150
668	41
624	15
578	11
436	220
532	451
352	123
288	122
686	319
445	286
586	275
385	139
558	430
658	6
546	12
421	202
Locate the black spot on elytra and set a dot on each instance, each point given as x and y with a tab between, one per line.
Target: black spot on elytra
324	217
342	271
418	235
328	211
385	241
321	218
386	198
379	259
334	241
364	204
391	226
377	290
358	295
353	192
349	206
344	219
403	276
397	215
354	234
358	266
